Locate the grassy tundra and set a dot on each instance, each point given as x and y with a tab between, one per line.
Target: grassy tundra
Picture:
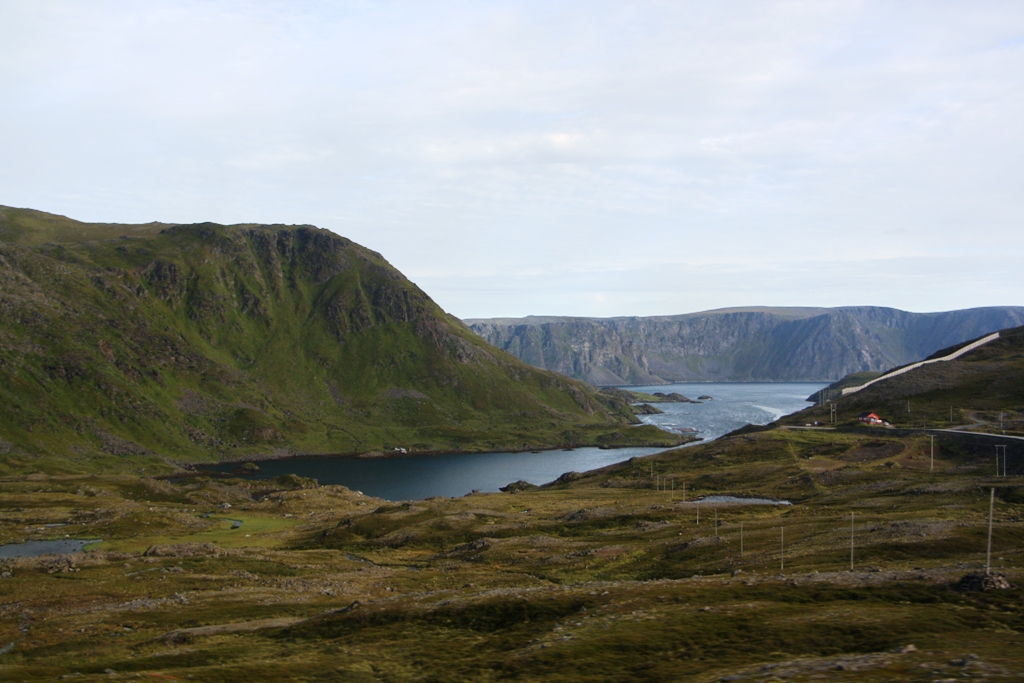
607	576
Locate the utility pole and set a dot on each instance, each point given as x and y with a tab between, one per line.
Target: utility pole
932	467
988	553
1003	446
716	521
851	541
782	548
698	512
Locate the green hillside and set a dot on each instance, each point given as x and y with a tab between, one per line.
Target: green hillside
976	389
148	343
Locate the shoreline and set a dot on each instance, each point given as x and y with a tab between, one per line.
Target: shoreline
715	381
198	468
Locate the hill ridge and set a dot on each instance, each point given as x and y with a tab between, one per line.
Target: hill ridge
206	342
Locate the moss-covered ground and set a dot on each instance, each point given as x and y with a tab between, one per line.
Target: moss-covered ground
123	347
608	577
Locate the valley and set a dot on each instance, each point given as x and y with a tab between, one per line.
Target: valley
608	574
811	548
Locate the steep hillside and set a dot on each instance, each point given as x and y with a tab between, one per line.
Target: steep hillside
767	344
210	342
984	387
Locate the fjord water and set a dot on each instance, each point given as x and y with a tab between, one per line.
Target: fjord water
421	476
732	405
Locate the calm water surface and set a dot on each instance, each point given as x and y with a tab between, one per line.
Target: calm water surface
416	477
36	548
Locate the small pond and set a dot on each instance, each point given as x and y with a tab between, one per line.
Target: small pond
61	546
733	500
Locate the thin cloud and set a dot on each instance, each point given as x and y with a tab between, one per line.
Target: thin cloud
549	154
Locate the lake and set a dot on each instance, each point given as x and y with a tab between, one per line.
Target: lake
62	546
421	476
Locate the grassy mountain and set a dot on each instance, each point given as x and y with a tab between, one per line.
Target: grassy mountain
738	344
978	387
209	342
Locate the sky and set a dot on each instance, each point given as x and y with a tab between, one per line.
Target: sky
555	157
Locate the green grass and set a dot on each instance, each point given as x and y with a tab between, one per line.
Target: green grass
602	578
207	342
977	387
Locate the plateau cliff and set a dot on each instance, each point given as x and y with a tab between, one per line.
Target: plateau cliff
738	344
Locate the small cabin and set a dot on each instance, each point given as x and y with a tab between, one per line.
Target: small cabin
870	418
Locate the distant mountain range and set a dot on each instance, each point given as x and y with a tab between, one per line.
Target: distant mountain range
738	344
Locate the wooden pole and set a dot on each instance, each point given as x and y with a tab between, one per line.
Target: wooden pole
851	541
932	467
741	539
782	548
716	521
988	553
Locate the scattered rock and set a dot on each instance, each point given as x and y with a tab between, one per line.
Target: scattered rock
474	546
983	582
61	563
517	486
115	445
183	550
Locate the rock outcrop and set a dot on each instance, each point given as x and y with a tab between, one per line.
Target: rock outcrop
750	344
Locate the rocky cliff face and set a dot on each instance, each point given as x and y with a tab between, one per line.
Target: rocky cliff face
766	344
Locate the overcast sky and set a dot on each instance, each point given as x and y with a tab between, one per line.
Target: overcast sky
567	158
